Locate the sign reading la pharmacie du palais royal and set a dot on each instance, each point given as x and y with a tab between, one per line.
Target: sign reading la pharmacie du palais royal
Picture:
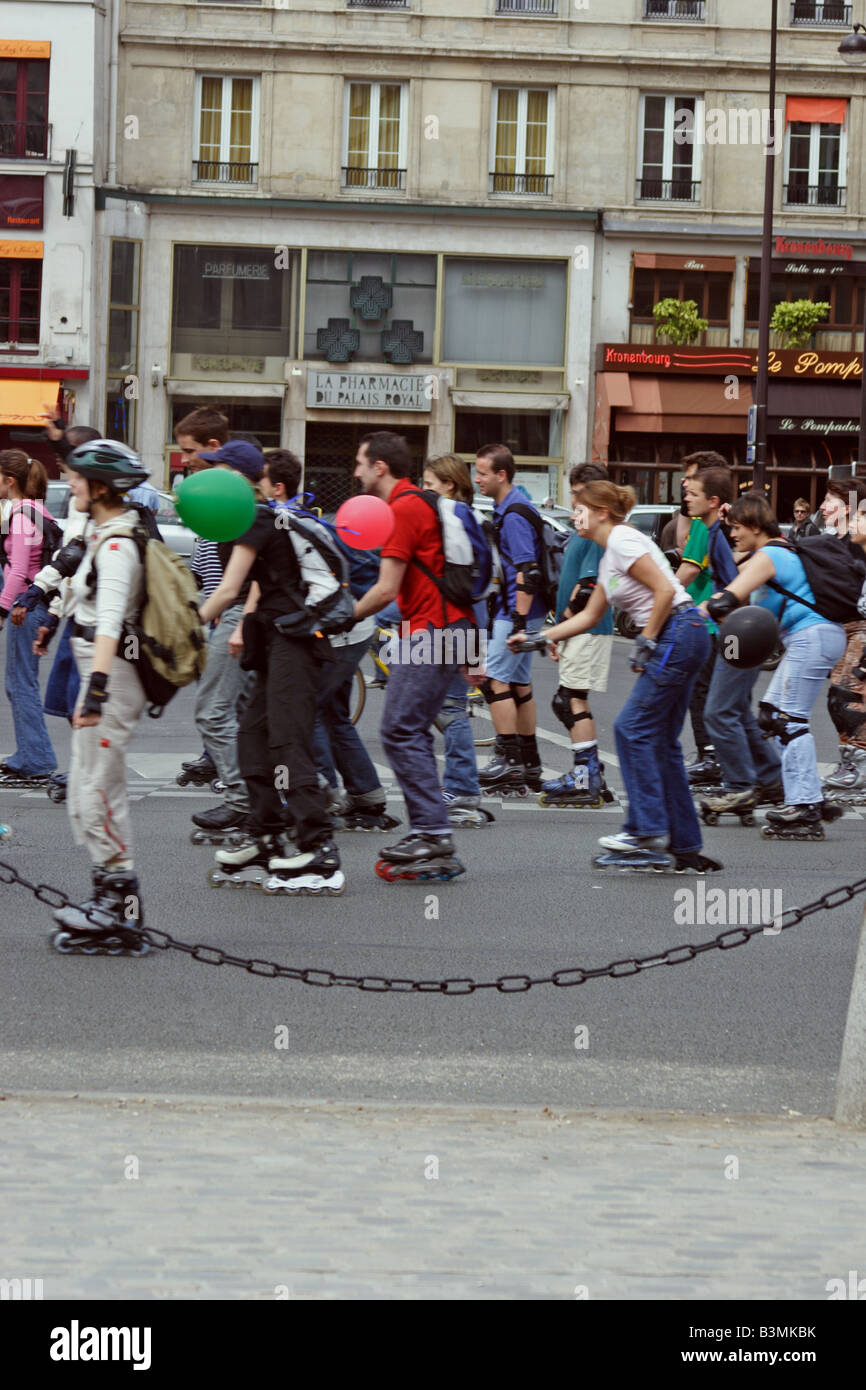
368	391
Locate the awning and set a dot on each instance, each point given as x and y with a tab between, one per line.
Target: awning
675	406
821	400
650	260
21	401
826	110
508	400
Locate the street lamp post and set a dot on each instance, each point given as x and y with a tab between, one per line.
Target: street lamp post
763	378
853	51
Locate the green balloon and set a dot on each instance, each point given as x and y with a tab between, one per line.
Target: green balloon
218	504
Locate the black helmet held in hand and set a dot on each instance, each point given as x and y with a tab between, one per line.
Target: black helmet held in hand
108	461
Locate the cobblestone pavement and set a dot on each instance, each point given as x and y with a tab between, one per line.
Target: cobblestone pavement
199	1199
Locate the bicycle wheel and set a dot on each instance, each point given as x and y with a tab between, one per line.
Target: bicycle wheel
486	734
360	695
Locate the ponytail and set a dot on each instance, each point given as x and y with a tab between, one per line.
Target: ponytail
28	474
616	500
36	482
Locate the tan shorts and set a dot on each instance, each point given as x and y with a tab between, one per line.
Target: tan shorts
584	661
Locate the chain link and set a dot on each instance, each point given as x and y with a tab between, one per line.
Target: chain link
565	978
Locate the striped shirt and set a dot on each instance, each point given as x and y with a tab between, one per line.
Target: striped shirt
205	565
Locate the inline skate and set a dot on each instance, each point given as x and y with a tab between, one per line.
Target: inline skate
741	804
846	784
420	855
216	827
584	788
365	812
13	780
245	860
307	873
102	926
200	772
704	773
627	853
504	775
57	787
795	822
466	812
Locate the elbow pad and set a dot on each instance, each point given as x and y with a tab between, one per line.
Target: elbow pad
69	557
720	605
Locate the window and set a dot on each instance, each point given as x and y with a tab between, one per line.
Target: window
259	416
370	306
710	290
24	125
820	12
527	433
375	135
228	130
232	299
504	312
522	144
815	161
841	331
122	391
20	295
670	157
674	9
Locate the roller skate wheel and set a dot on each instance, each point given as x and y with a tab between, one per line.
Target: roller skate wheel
59	942
710	817
215	878
217	787
385	869
747	819
181	779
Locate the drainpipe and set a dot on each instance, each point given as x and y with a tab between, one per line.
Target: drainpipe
113	40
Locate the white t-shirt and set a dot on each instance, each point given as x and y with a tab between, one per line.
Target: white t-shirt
625	544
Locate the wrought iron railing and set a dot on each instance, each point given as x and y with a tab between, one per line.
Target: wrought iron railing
540	184
223	171
527	6
354	177
680	190
25	139
674	9
815	195
813	12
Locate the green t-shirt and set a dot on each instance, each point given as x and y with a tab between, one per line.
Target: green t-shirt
696	552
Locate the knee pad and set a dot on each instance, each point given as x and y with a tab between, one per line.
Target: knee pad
491	696
774	722
561	706
845	719
520	699
449	712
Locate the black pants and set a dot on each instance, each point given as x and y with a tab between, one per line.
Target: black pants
275	744
699	698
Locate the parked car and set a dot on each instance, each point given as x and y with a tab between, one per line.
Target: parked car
652	517
559	517
177	537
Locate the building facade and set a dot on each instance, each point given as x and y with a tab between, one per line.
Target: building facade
52	63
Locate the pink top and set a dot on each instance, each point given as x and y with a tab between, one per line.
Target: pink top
22	546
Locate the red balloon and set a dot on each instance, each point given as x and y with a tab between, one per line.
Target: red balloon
364	523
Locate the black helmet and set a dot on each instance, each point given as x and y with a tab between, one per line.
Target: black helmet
748	636
108	461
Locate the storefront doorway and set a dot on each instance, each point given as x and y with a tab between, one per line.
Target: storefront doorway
329	457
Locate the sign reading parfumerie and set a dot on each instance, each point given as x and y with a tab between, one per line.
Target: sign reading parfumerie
367	391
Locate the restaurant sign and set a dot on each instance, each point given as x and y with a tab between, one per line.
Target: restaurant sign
808	425
694	361
369	391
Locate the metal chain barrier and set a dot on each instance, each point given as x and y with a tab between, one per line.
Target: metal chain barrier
506	984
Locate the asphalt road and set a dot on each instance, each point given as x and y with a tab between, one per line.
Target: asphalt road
752	1030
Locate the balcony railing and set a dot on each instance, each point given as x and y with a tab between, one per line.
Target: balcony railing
813	12
674	9
814	195
527	6
539	184
378	4
25	139
219	171
373	178
680	190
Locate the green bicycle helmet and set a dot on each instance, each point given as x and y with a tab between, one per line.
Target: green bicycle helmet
108	461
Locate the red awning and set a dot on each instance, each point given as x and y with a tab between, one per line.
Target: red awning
674	406
826	110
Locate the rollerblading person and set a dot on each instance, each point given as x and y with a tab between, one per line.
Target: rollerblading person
214	827
308	874
422	856
109	923
846	698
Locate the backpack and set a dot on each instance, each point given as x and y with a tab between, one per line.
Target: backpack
325	600
165	641
52	534
468	572
552	547
834	572
363	564
147	519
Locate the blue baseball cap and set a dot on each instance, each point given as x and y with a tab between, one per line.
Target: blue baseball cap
242	456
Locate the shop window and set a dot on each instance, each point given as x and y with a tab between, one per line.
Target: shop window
670	156
841	331
24	128
370	306
232	300
374	140
261	417
504	312
227	121
522	144
527	433
122	385
20	299
710	290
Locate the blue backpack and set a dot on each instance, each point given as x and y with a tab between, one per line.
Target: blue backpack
468	573
363	564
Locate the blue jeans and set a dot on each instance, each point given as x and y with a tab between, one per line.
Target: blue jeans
336	741
413	699
33	754
810	656
647	731
461	770
745	757
64	682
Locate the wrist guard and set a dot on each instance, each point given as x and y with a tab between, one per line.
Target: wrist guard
581	597
518	622
97	693
720	605
30	598
642	651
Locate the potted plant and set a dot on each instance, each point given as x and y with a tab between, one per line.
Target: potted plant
678	320
795	320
